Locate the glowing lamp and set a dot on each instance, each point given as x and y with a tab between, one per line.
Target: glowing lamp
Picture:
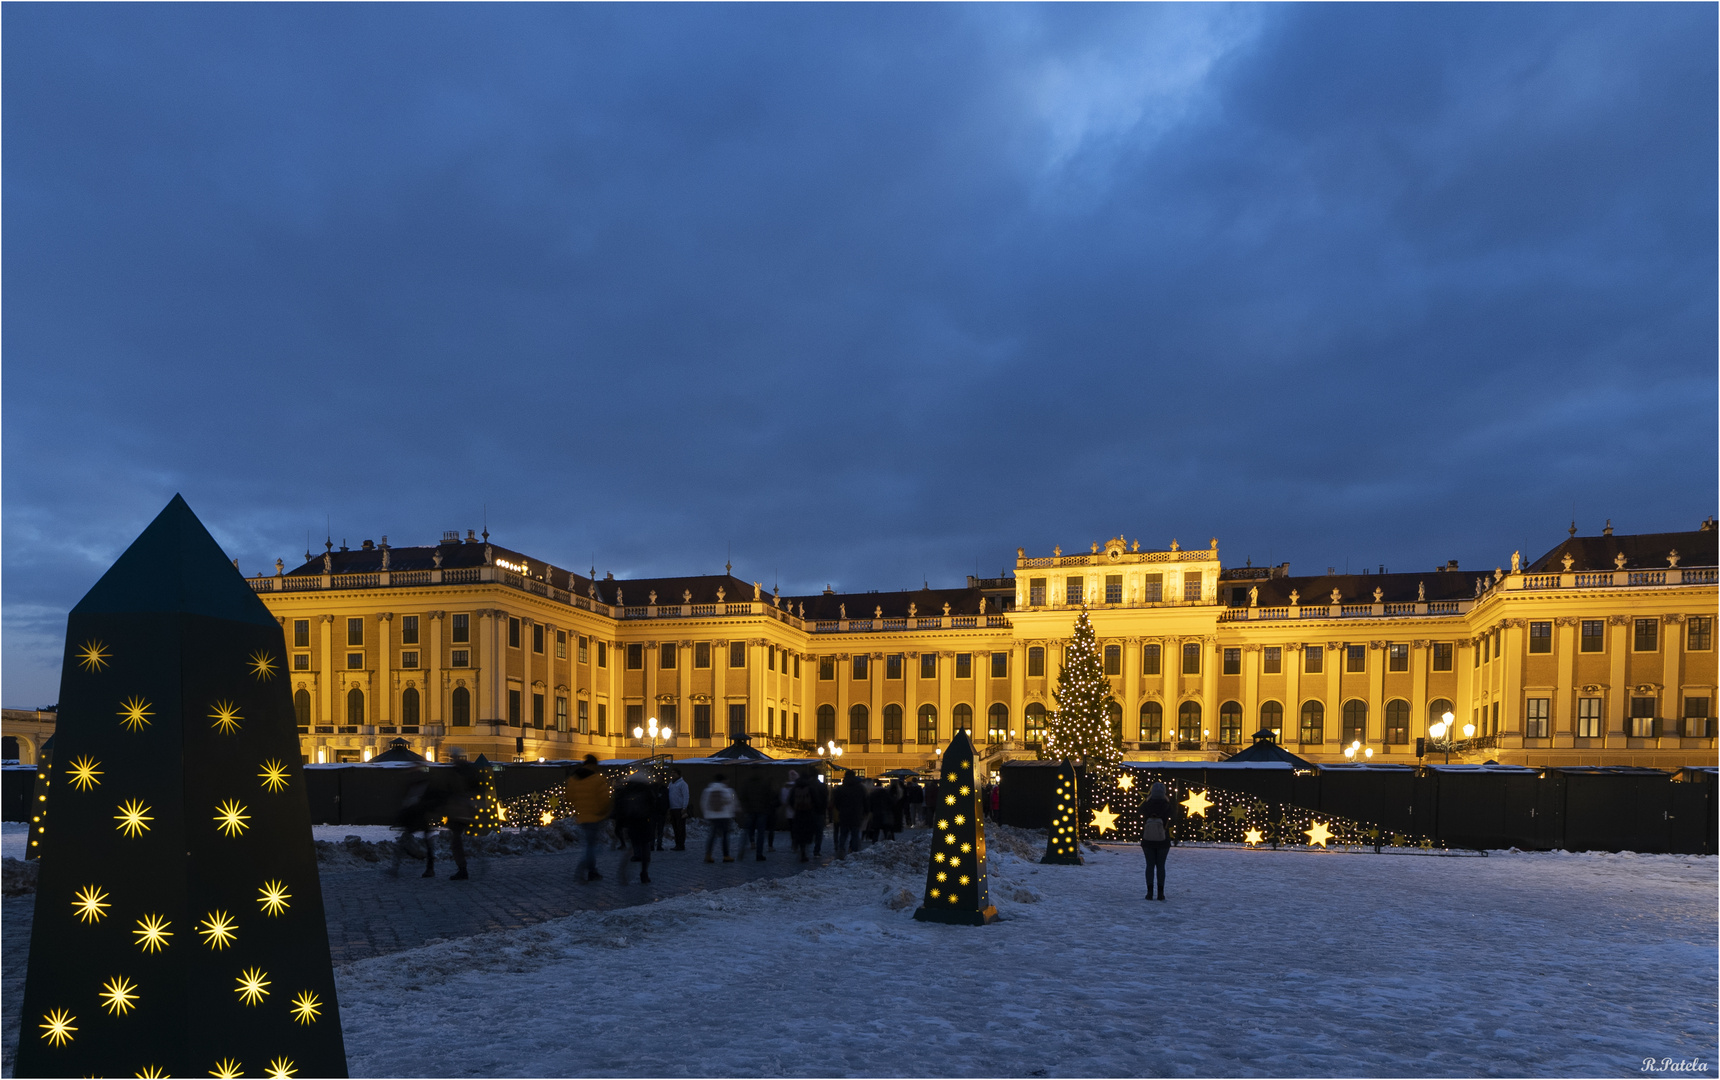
1468	730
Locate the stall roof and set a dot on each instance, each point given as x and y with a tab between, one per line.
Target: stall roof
1221	765
1489	767
1267	750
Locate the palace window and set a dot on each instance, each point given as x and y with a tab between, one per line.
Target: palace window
302	710
1072	590
1397	657
514	707
460	658
513	632
1355	727
668	715
355	661
584	713
1355	658
1698	721
1191	658
1188	722
1000	665
861	670
602	714
561	645
635	718
409	659
1152	722
1536	713
1313	722
1232	663
997	722
1540	637
667	658
1272	717
859	724
602	661
1113	659
408	629
1593	638
537	710
1647	638
964	665
1589	719
1436	710
826	668
702	721
537	638
1230	723
1191	588
1113	714
1397	722
737	654
962	717
1314	659
1699	633
797	665
1642	717
1272	660
1035	720
1036	591
584	649
826	724
1153	588
355	631
893	724
1113	588
460	707
1035	661
1441	656
560	713
1150	663
893	670
635	657
737	719
770	657
302	661
301	633
460	629
928	665
928	732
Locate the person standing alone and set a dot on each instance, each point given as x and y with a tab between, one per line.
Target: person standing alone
1156	835
679	797
717	804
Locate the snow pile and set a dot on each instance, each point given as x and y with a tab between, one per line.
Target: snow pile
1294	962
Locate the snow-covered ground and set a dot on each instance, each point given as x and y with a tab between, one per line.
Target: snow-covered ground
1261	963
14	833
12	837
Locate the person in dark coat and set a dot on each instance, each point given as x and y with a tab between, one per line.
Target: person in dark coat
850	803
659	811
821	812
898	807
806	820
420	814
461	784
758	807
633	807
1156	835
877	811
915	797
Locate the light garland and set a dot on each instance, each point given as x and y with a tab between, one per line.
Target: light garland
1080	727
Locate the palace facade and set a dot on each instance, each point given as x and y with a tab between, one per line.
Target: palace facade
1600	652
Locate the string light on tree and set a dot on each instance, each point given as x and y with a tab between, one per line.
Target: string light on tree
1080	728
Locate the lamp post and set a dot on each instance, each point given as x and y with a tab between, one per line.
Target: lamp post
1442	733
1351	750
654	732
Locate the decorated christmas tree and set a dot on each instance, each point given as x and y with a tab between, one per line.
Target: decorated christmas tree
955	877
1064	845
487	812
1080	728
179	925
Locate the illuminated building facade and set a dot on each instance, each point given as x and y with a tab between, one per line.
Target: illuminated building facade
1599	652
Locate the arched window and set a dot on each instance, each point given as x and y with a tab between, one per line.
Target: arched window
1230	723
963	717
355	706
997	723
302	707
928	725
1188	722
1035	717
1313	722
826	724
460	708
1152	722
409	707
1272	719
1114	713
1355	721
893	724
859	725
1397	722
1436	710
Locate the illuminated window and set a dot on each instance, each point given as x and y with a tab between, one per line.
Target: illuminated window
1036	591
1313	722
1536	716
1442	656
1397	657
1230	723
962	717
1589	719
1397	722
1191	588
561	644
461	629
560	713
408	629
1035	720
1073	590
1113	588
1272	717
1188	722
1642	717
1698	717
928	732
1152	722
1272	659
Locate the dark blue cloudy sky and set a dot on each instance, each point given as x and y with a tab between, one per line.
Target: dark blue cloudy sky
873	294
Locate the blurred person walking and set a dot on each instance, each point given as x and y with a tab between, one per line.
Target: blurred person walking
718	805
589	795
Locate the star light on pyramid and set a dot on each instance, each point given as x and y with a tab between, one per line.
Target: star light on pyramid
179	927
1196	804
1063	839
956	889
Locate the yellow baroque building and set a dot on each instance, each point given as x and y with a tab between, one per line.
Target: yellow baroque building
1600	652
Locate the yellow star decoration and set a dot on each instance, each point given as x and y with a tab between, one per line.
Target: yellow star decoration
262	665
118	994
280	1069
151	1072
1319	834
152	933
132	817
217	930
89	902
1196	803
1252	836
93	656
305	1007
58	1029
274	775
1104	820
84	773
227	1069
134	713
1125	782
230	817
251	983
226	717
274	897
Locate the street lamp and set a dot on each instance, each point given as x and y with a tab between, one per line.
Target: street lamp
1442	734
654	732
1351	750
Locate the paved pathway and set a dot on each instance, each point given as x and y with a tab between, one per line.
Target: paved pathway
371	913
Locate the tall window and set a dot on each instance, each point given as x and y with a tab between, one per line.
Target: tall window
513	632
826	668
667	656
301	633
1191	588
737	719
561	644
1000	665
602	661
1589	719
1537	711
460	707
1153	588
1540	637
1188	722
1436	710
859	725
860	666
460	629
1699	633
514	708
409	707
997	722
355	631
702	722
928	732
1314	659
964	665
1150	664
928	665
1355	721
701	654
1397	657
1035	661
1647	638
1642	717
1232	662
602	707
537	638
1072	590
1230	723
1442	656
1593	637
893	724
584	650
1698	717
1272	718
962	717
893	670
1397	722
1036	591
537	710
1113	659
355	707
1313	722
1152	722
302	708
668	716
1272	660
1355	658
1035	720
826	724
635	657
737	654
1191	658
560	713
1113	588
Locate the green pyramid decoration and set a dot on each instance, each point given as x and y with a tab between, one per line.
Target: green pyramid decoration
955	876
1064	844
179	925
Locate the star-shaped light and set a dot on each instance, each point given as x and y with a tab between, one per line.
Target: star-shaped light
280	1069
152	1072
1125	781
217	930
226	717
305	1007
58	1028
274	775
1319	834
1252	836
89	903
1238	812
274	897
262	665
152	933
134	713
227	1069
1104	820
251	986
230	817
118	994
1197	803
84	773
93	656
133	817
545	818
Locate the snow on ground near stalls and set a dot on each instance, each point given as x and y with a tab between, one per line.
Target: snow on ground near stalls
14	833
1261	963
12	837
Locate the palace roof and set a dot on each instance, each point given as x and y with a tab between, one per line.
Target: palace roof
1641	551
